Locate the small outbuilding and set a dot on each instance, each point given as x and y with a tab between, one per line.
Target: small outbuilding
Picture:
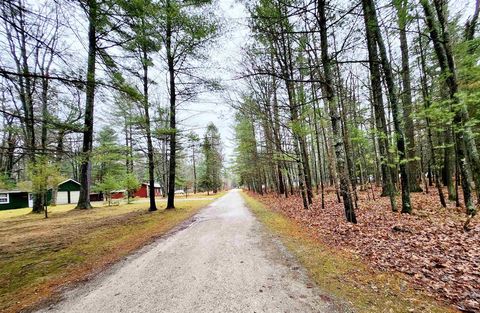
118	194
15	199
68	192
142	192
96	196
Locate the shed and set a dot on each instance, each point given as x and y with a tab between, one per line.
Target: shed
68	192
15	199
142	192
96	196
118	194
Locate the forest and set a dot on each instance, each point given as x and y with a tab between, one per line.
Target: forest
357	120
366	112
84	95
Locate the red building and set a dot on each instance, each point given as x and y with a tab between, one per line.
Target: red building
96	196
118	194
142	192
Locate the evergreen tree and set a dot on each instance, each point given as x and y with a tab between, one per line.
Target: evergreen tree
131	184
143	40
107	156
187	28
212	157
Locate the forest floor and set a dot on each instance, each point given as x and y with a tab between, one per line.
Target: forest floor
429	248
37	255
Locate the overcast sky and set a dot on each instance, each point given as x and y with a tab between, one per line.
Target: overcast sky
225	58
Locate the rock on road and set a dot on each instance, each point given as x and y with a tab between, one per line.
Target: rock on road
223	261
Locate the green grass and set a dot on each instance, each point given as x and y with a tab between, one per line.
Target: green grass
161	202
39	255
4	214
344	275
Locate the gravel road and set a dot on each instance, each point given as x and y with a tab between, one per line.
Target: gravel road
223	260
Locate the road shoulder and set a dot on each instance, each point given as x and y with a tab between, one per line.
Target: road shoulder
341	274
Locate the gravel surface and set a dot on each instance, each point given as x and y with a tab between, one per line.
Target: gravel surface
223	260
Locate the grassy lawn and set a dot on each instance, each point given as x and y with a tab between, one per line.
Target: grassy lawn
39	255
344	275
5	214
161	202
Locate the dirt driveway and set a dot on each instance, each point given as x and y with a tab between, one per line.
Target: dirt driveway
223	261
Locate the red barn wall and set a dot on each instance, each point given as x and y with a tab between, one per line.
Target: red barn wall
117	195
142	192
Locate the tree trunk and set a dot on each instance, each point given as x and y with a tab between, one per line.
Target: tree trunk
194	172
297	147
413	164
426	100
449	164
317	142
332	102
150	152
295	117
173	125
447	66
282	189
85	167
376	83
25	85
286	64
396	107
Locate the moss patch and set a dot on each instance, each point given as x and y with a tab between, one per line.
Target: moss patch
344	275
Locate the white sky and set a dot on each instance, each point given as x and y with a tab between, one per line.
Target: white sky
225	58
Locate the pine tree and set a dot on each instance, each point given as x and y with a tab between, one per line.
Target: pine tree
212	156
